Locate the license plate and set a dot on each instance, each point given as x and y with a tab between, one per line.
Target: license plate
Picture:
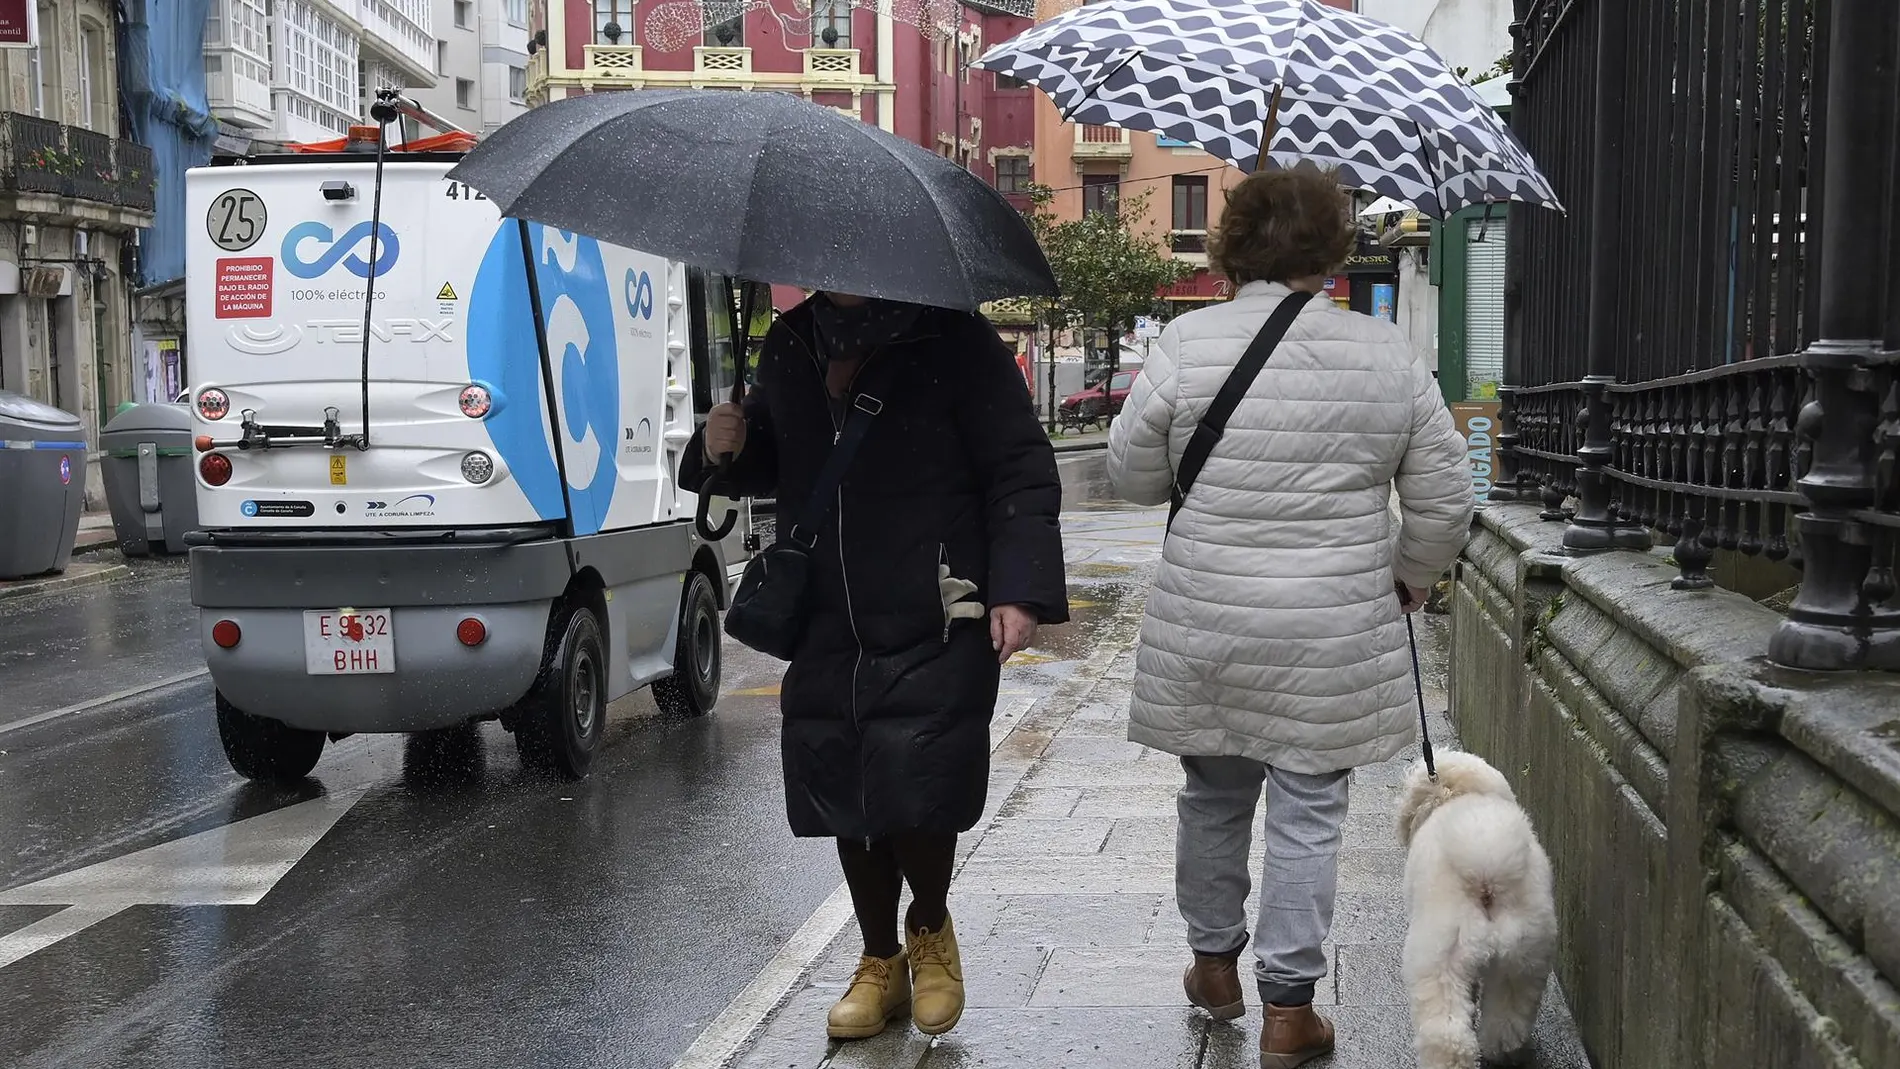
348	642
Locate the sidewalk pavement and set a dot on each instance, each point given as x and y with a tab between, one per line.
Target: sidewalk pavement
1064	900
95	533
1079	441
85	568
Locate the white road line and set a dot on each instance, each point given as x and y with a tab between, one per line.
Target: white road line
726	1036
49	930
94	703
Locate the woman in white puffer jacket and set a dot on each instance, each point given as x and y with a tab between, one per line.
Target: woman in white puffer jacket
1273	652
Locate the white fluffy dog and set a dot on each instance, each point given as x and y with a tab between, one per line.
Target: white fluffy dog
1478	899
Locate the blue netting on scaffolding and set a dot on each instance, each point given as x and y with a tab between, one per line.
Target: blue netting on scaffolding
162	74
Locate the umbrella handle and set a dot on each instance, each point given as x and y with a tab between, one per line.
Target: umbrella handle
704	516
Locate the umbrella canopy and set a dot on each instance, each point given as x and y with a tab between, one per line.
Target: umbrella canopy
762	186
1333	88
1384	206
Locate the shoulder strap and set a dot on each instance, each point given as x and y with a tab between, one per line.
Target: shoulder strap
824	492
1214	423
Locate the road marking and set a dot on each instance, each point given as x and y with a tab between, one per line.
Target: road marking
726	1036
94	703
755	692
236	865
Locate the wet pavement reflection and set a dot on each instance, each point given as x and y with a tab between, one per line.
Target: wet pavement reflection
420	901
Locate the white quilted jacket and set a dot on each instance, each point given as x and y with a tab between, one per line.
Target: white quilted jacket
1273	631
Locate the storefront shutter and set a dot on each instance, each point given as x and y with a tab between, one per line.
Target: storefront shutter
1484	308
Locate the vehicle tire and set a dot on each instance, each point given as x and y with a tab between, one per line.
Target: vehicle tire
263	749
693	688
560	722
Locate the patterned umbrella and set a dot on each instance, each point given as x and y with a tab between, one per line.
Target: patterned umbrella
1316	83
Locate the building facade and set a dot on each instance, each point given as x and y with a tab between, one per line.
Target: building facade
305	70
74	197
481	63
912	76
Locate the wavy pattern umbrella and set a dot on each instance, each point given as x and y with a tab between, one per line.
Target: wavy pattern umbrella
1306	81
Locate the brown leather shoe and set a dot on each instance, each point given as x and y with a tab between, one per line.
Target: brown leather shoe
1213	984
1292	1036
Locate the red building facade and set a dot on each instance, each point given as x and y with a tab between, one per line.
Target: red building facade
903	65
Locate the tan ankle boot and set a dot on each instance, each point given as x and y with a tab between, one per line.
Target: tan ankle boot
936	977
1213	984
879	991
1292	1036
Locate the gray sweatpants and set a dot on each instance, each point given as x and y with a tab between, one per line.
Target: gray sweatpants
1299	877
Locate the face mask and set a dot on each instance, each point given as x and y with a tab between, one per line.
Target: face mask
854	332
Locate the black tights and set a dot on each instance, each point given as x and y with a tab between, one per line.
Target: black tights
876	872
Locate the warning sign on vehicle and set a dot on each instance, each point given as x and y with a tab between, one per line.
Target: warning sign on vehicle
339	470
243	288
446	293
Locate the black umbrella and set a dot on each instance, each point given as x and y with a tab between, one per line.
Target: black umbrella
762	186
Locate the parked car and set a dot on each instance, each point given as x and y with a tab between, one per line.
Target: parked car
1100	402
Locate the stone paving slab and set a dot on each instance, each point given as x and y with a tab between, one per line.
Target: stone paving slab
1064	902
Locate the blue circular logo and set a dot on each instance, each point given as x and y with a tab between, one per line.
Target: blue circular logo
577	306
66	470
249	508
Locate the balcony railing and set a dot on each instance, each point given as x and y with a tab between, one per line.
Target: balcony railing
613	60
1102	141
839	62
723	62
41	156
1189	242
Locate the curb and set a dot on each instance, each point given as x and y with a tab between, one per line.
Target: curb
1079	447
87	549
70	580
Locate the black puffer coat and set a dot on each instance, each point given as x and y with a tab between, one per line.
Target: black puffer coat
887	710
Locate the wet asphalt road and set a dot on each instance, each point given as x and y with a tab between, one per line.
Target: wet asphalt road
460	911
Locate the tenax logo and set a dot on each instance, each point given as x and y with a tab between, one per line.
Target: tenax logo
577	306
332	250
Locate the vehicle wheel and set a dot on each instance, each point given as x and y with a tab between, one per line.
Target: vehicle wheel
693	688
263	749
560	722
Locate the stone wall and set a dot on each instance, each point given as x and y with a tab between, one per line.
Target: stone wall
1726	834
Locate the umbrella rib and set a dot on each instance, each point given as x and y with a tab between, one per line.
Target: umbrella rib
949	240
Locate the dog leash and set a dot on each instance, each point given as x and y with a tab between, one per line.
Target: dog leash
1418	683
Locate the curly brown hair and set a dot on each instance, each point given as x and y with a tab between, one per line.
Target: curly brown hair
1282	225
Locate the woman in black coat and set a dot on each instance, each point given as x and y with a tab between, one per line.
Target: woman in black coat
942	554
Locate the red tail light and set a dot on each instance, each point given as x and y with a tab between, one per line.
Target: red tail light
471	632
226	634
215	469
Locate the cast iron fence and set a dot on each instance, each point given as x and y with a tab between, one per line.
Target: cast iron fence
1707	344
42	156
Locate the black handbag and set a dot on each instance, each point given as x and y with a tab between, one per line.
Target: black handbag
1214	423
768	611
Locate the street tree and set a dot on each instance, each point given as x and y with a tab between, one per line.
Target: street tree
1109	270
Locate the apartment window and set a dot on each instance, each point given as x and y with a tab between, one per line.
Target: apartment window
831	23
518	84
728	34
465	94
1190	202
1012	174
518	13
317	57
95	92
1100	194
464	14
1004	81
441	56
45	74
613	22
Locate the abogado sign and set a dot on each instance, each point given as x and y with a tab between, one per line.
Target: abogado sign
19	24
1477	425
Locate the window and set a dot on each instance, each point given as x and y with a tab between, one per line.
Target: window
1190	202
1004	82
518	84
441	56
46	68
465	94
1123	380
463	14
1100	193
1012	174
317	58
94	92
517	13
728	34
831	23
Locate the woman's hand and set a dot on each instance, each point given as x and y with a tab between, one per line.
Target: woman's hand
1411	598
1012	629
725	431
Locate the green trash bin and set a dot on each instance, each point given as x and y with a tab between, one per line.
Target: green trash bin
42	486
149	483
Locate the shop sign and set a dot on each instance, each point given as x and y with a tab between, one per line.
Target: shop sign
1202	285
1477	424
